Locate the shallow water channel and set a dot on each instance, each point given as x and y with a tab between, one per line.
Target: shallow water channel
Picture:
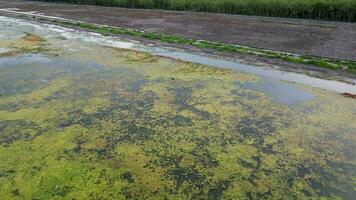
84	116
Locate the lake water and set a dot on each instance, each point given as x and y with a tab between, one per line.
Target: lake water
84	116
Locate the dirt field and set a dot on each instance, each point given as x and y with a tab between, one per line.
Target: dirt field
319	38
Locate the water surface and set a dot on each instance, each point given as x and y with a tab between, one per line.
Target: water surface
83	116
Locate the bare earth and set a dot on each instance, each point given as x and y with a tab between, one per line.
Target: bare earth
319	38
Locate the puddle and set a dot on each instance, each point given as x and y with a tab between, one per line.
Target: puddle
287	94
264	72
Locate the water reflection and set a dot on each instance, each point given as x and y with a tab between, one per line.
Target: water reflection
75	36
132	125
282	93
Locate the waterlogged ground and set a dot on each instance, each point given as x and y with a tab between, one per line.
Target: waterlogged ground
81	120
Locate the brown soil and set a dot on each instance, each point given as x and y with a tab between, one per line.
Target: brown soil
319	38
33	38
349	95
9	54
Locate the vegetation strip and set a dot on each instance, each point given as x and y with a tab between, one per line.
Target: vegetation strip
340	10
334	64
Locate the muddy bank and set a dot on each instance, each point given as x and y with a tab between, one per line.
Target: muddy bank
319	38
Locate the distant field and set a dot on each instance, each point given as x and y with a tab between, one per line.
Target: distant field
339	10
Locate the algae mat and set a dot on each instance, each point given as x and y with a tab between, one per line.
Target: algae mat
86	120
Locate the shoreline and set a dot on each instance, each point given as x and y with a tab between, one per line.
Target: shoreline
340	85
246	58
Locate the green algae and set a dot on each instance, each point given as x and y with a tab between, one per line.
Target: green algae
30	43
166	129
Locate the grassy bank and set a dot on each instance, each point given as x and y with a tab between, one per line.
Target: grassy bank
335	64
340	10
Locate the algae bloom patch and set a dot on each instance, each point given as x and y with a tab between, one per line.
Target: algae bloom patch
79	120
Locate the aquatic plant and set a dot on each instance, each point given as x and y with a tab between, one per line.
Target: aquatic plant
164	129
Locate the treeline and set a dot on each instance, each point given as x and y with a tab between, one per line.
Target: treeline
338	10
